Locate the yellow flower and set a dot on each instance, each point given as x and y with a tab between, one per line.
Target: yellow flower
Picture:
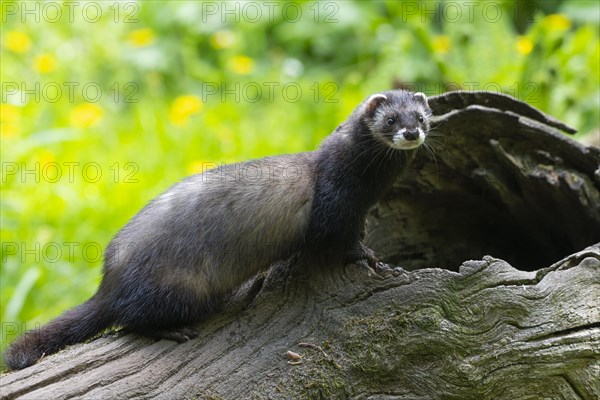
557	22
441	44
45	63
85	115
199	166
8	130
182	108
17	42
10	119
141	37
45	157
9	113
242	65
222	39
524	45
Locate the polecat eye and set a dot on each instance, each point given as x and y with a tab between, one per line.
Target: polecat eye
420	118
390	121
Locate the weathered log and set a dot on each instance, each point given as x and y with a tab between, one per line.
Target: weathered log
504	182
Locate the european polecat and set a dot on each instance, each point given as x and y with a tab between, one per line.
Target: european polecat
209	233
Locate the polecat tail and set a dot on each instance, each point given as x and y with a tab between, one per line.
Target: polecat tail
73	326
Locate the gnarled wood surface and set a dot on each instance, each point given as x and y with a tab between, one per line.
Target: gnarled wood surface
506	183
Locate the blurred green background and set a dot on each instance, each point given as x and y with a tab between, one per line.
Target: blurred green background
105	104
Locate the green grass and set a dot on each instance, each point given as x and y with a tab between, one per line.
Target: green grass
170	52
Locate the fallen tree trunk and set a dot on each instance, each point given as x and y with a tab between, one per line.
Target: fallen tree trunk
504	182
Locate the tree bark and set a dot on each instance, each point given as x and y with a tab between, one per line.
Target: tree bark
504	181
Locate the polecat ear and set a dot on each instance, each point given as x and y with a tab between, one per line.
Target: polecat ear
421	98
373	102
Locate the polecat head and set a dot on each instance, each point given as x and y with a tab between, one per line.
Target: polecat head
398	118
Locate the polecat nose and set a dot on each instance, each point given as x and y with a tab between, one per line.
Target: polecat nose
411	135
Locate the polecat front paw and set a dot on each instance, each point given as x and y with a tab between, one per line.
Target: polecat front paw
363	257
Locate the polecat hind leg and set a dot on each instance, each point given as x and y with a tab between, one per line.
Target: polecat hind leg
180	334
